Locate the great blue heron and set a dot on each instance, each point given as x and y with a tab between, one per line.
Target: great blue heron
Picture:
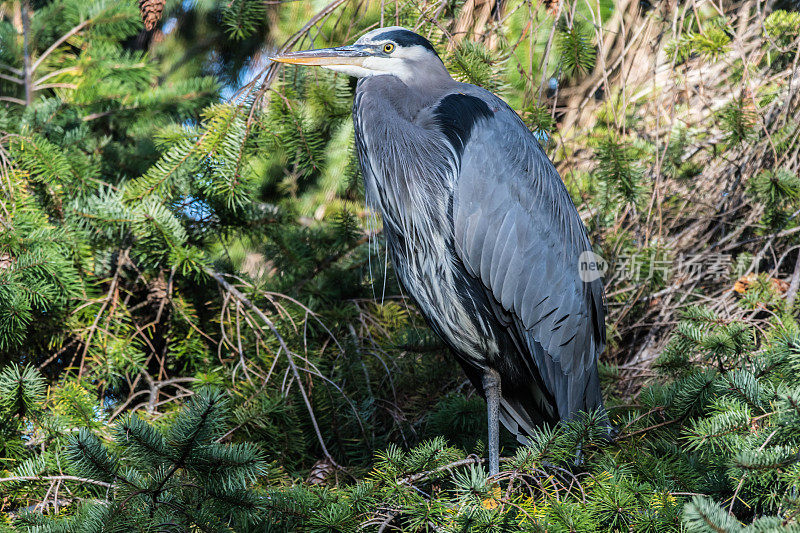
480	228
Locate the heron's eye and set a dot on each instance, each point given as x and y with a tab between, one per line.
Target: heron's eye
388	48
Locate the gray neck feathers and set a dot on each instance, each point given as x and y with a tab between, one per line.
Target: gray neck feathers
408	167
407	98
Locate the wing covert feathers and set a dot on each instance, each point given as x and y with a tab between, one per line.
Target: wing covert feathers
517	231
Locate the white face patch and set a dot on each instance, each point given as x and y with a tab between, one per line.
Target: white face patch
403	62
400	63
350	70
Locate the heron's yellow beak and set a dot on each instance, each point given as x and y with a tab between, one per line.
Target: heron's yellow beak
324	57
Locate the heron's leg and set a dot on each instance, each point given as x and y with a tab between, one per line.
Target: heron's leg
491	388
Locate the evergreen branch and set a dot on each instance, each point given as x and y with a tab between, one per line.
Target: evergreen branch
177	156
55	73
421	476
180	462
57	478
328	261
233	291
55	86
11	69
61	40
12	100
12	79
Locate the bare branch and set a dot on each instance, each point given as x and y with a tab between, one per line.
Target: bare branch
233	291
61	40
56	478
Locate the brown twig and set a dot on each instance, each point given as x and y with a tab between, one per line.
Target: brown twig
233	291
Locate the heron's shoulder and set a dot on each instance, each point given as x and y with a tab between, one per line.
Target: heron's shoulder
467	89
465	97
480	118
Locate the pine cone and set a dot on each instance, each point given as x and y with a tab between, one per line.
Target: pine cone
320	472
6	261
157	290
151	12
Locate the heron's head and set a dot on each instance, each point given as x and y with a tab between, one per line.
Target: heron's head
386	51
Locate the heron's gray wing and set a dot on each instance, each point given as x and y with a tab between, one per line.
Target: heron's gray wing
517	230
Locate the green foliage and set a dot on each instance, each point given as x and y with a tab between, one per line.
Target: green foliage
37	275
21	390
782	26
618	171
472	62
576	49
242	17
539	119
199	329
176	477
738	121
778	191
718	422
713	43
710	42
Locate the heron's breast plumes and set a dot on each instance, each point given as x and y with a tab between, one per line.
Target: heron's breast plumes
409	172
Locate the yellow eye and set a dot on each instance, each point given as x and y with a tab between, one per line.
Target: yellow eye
388	48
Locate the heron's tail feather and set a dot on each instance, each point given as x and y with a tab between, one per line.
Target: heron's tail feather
522	410
516	421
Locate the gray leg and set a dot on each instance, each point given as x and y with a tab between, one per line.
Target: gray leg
491	387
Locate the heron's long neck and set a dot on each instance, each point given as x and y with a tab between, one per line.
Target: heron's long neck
408	167
407	98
